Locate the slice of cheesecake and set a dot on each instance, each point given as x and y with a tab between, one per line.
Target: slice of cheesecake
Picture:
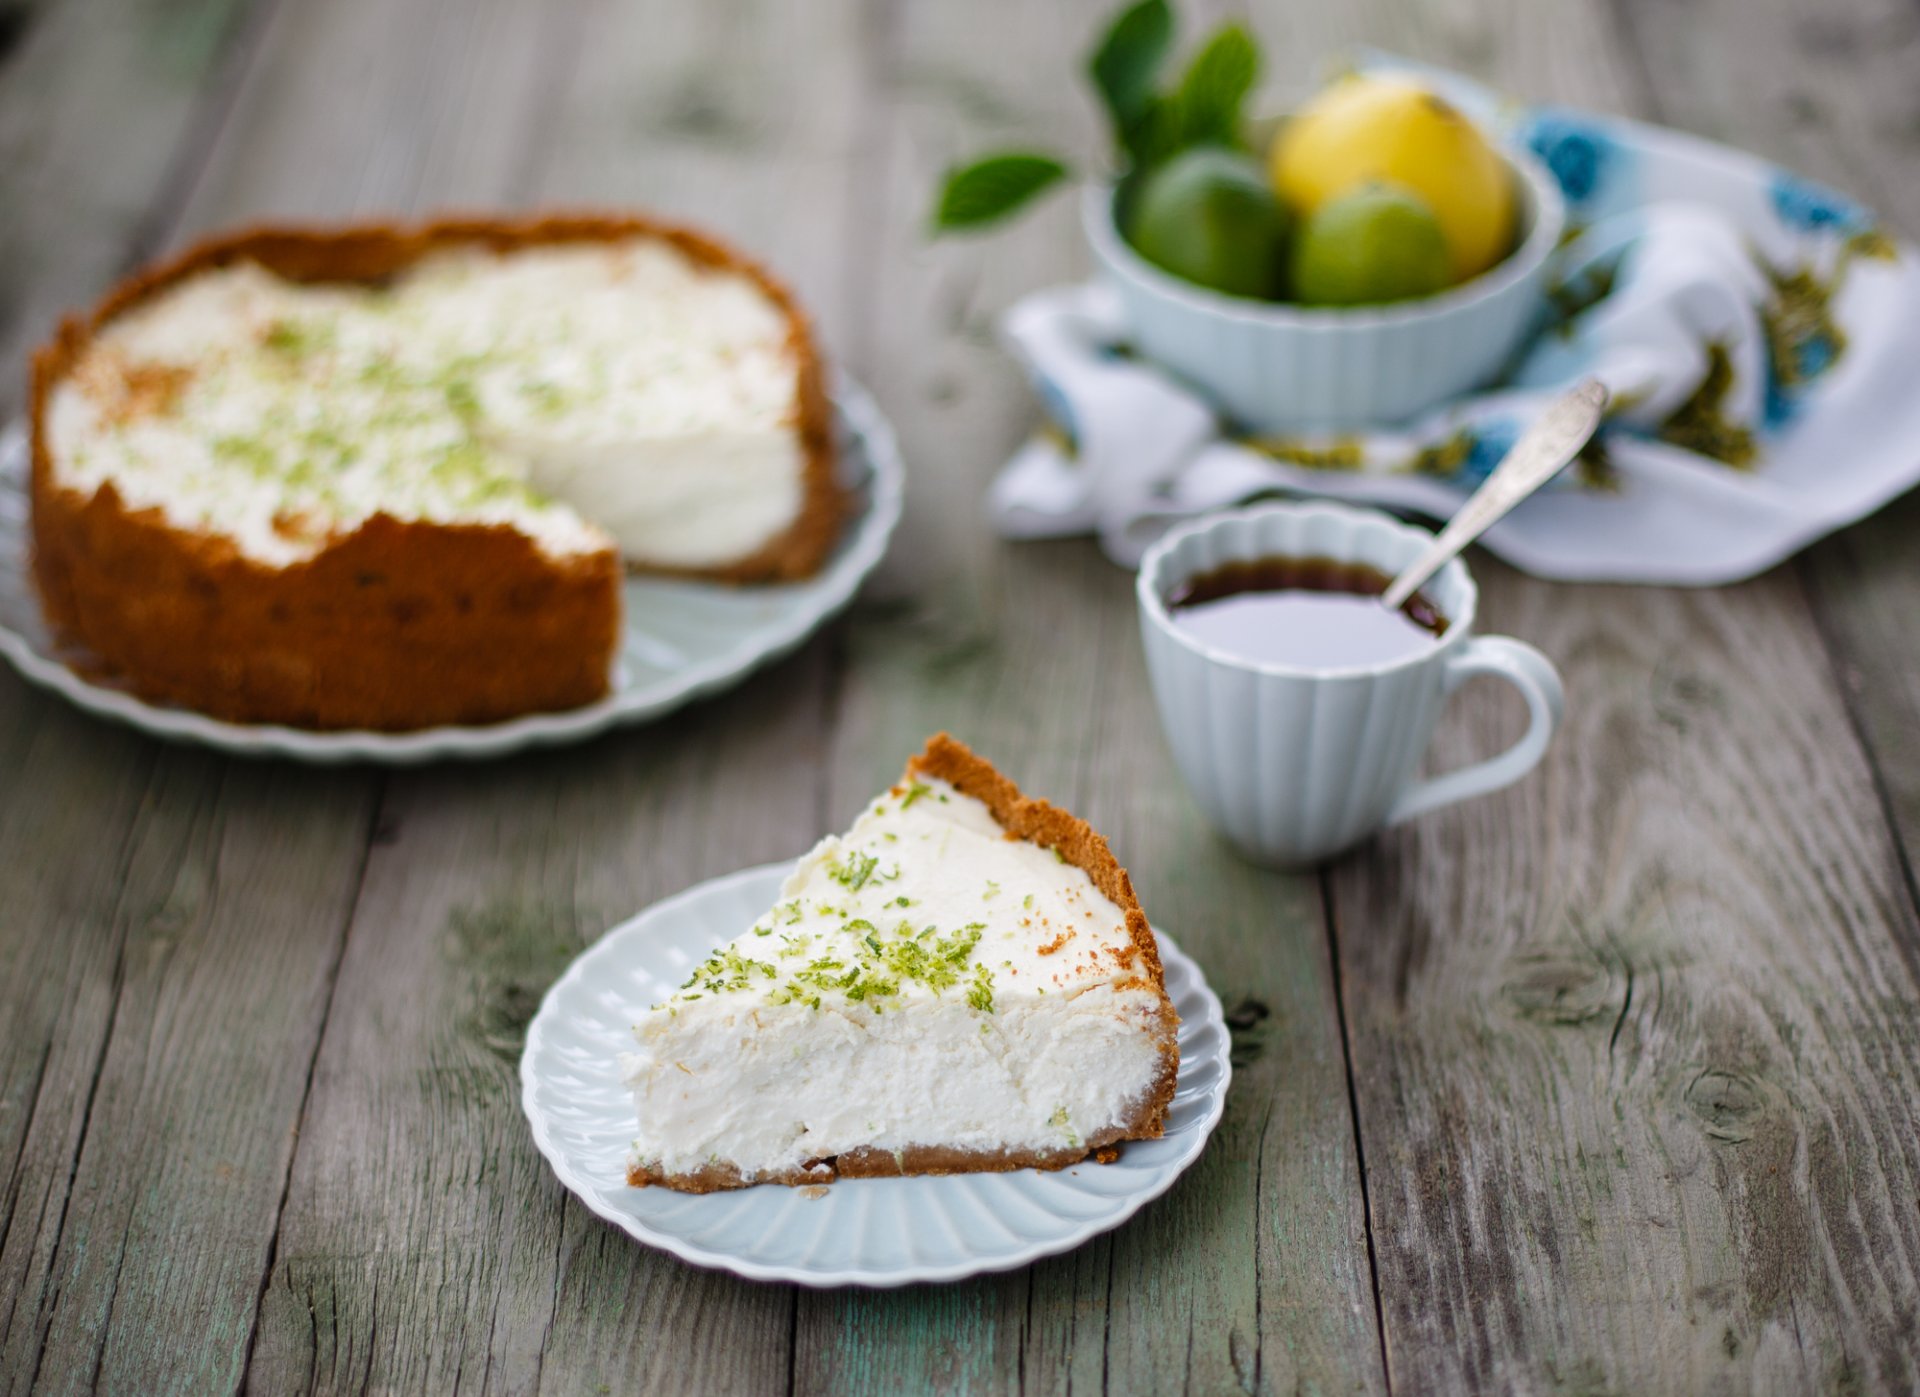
962	981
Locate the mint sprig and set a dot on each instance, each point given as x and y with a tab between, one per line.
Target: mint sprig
1215	87
1125	68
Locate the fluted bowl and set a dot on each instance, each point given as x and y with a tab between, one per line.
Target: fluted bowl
1278	369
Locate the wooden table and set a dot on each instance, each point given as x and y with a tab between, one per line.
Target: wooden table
1608	1083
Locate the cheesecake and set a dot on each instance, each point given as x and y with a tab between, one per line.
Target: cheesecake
392	477
962	981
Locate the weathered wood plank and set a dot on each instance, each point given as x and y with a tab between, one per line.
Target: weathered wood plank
118	1301
232	903
166	948
1633	1044
1828	92
1865	586
1710	890
99	119
1638	1102
424	1238
748	119
425	1242
170	927
69	786
361	108
1253	1273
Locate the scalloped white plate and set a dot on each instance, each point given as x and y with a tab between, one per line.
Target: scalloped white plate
873	1232
683	640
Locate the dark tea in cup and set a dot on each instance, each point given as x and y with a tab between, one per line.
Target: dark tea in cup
1303	613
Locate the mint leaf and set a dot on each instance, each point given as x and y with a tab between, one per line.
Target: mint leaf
1216	83
990	189
1155	134
1127	63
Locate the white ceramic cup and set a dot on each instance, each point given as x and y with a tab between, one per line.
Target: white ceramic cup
1295	765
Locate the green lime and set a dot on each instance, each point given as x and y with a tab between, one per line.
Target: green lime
1379	243
1209	216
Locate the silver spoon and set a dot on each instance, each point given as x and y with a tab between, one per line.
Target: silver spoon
1543	449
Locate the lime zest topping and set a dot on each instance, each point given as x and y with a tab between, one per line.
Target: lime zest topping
546	397
980	992
855	873
462	399
296	339
727	969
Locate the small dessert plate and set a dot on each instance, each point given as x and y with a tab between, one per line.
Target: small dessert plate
682	640
871	1232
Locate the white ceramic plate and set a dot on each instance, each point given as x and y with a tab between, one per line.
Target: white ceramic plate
875	1232
683	639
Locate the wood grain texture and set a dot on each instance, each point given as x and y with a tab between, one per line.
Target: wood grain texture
68	787
233	902
1830	93
181	969
1633	1044
170	925
101	121
1638	1102
1252	1274
359	107
1865	588
465	1261
425	1243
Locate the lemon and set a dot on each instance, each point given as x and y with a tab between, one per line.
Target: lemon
1376	243
1209	217
1364	129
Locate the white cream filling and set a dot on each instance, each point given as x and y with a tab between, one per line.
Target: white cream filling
923	981
699	499
571	392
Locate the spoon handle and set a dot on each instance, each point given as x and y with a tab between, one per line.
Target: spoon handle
1543	449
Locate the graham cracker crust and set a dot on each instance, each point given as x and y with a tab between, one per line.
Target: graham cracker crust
870	1163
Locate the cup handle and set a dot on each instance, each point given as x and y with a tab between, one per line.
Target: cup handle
1529	671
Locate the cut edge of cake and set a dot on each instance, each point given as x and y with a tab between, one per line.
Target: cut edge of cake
1077	843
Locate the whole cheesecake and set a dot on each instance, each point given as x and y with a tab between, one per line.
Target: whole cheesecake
385	477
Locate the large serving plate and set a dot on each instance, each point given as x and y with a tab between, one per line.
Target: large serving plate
874	1232
683	640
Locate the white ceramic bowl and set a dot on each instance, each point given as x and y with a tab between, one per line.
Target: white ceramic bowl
1277	369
